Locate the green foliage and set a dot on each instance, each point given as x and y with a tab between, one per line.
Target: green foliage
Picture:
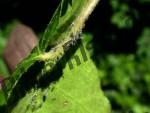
62	29
144	43
126	78
67	21
123	59
76	90
122	20
121	16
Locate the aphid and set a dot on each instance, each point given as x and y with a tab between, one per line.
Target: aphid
65	102
69	43
45	94
48	66
34	102
50	58
56	53
33	97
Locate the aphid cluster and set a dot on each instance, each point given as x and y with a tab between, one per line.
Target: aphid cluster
56	53
72	41
35	102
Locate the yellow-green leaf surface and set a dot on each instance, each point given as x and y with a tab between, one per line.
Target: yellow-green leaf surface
77	91
67	22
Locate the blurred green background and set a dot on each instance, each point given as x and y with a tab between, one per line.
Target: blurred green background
120	45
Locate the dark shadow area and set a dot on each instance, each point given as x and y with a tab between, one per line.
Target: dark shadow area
108	38
29	79
57	71
26	82
34	13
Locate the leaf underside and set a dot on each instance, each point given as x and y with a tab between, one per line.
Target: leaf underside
76	90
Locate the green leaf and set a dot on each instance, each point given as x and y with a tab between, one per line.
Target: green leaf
61	29
66	22
77	91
